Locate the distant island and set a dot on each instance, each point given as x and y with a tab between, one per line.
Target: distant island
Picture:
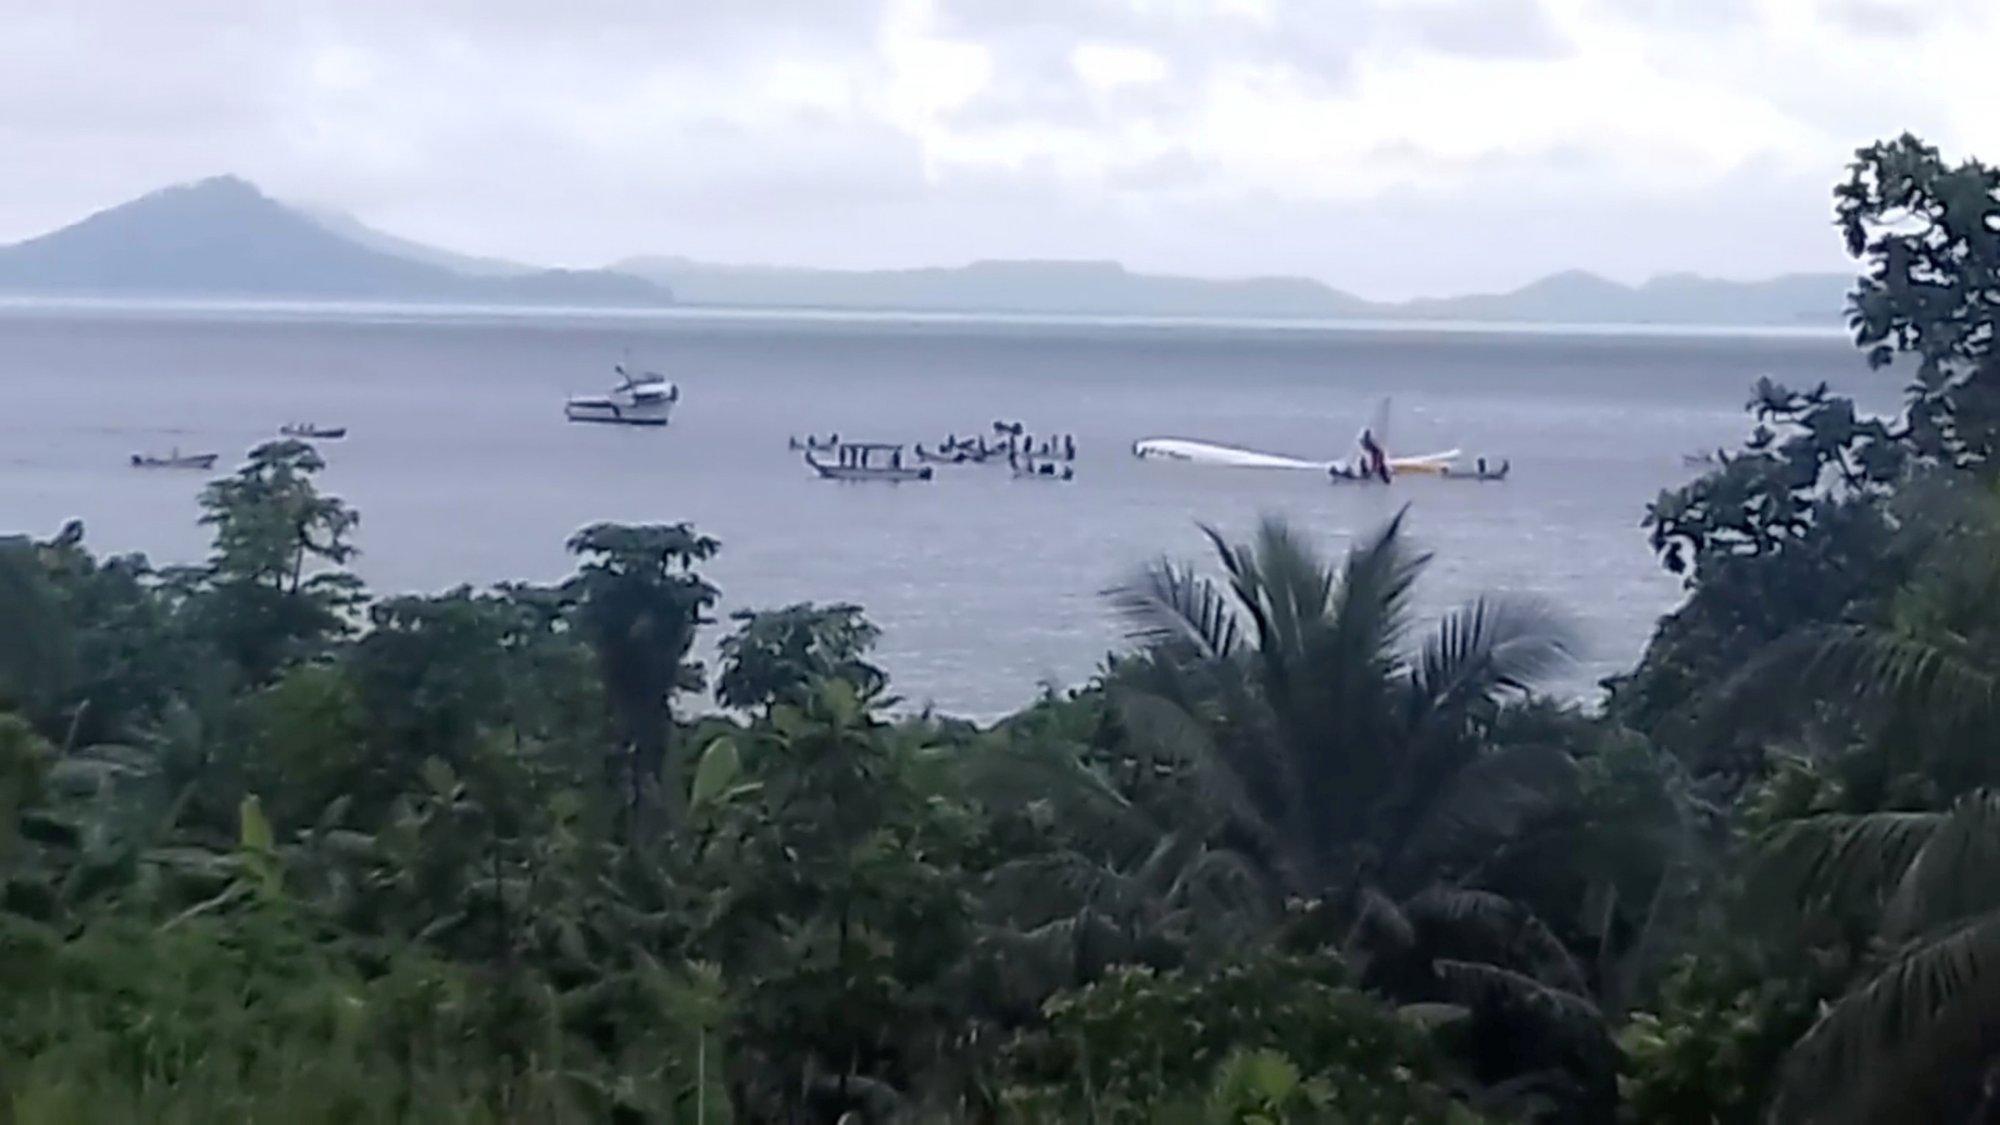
222	238
1108	289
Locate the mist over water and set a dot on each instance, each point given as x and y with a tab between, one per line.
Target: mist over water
464	471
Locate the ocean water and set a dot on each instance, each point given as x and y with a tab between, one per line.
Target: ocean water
464	471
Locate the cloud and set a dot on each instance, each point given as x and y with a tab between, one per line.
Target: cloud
1889	19
1386	146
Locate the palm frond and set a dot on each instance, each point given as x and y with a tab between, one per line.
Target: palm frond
1223	885
1494	645
1292	586
1956	874
1241	779
1903	1032
1843	862
1380	928
1502	930
1487	800
1008	774
1370	611
1478	984
1168	606
1858	663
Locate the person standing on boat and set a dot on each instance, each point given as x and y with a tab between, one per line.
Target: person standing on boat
1374	462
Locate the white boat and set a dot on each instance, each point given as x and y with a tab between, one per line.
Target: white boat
646	399
867	460
1480	470
174	460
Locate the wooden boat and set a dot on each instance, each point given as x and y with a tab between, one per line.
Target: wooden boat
174	460
951	456
308	430
867	460
1048	470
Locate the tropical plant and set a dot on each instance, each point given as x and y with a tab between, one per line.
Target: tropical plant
775	655
1279	1033
36	652
1914	1035
1357	773
273	589
1351	761
638	602
839	912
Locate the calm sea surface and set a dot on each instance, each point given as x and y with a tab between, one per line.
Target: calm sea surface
464	470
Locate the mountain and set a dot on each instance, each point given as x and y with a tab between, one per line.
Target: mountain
1579	297
1084	288
356	231
222	237
1107	288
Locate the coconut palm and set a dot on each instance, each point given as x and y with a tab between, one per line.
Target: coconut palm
1354	768
1916	1037
1346	758
1908	868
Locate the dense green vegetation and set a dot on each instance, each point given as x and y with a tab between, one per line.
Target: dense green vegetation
275	849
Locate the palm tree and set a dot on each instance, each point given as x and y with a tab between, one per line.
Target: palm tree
1917	1037
1908	866
1353	769
1347	760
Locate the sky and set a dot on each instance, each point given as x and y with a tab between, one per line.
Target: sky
1388	147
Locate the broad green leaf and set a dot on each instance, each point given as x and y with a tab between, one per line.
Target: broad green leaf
719	767
254	831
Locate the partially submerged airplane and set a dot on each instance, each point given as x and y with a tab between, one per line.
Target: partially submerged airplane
1369	460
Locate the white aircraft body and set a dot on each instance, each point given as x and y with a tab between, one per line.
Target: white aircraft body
1211	453
1368	461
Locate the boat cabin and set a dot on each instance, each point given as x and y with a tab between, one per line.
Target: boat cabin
869	455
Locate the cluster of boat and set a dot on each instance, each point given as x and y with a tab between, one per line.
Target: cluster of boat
175	459
647	398
1011	444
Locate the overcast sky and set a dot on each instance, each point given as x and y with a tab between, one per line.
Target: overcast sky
1389	147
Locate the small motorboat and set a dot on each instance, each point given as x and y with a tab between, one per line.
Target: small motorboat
1481	470
645	399
174	460
310	431
867	460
